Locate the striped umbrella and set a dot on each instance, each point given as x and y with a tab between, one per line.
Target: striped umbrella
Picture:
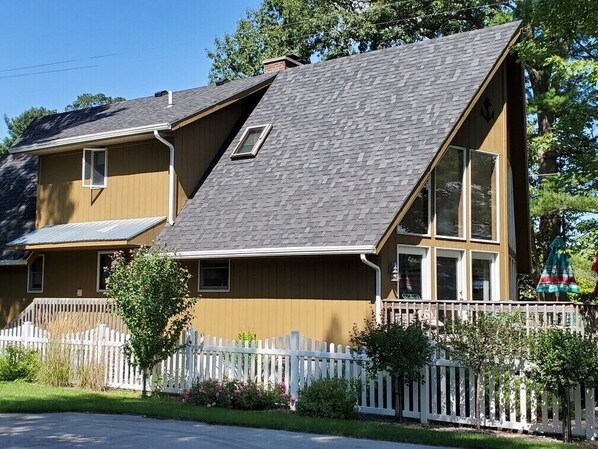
557	276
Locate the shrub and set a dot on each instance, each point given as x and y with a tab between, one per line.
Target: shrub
329	398
90	376
237	395
18	364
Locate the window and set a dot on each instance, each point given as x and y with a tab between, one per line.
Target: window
251	141
448	194
413	273
449	284
483	196
35	275
512	230
513	287
104	261
94	168
484	285
417	218
214	275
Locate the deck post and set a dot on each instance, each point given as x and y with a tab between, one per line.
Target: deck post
294	367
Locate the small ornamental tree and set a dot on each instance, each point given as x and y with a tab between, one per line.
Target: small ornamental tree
560	360
399	350
150	294
487	342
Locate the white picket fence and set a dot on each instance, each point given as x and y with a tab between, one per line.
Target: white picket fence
446	392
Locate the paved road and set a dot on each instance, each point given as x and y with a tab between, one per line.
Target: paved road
78	430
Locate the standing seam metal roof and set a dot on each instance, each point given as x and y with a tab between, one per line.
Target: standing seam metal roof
350	140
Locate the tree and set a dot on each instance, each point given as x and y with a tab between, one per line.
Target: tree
486	343
91	100
17	125
399	350
562	360
150	294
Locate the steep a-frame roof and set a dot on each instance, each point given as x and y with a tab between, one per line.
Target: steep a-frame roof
18	187
130	118
350	140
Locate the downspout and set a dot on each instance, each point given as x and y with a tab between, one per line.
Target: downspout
171	184
378	287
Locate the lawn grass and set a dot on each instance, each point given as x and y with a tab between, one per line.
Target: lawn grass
18	397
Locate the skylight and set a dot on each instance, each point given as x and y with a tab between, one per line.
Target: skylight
251	141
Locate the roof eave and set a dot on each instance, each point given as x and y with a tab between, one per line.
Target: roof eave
13	263
60	144
275	252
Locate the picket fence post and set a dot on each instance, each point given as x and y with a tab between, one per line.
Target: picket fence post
188	356
101	338
294	368
27	331
424	389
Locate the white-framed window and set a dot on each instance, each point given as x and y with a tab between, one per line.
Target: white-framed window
449	194
484	276
94	170
511	210
103	265
449	275
214	275
251	141
413	267
417	219
35	275
483	195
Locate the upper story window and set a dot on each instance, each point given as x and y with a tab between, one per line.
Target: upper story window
35	275
448	194
214	275
483	196
94	168
417	218
251	141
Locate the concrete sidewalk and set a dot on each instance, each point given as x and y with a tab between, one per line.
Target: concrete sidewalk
78	430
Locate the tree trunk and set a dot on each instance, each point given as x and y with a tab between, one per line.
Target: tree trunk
478	411
566	416
398	387
144	384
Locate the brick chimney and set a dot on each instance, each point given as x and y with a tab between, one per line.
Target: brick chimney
281	63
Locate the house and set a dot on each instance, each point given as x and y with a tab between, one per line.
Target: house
302	199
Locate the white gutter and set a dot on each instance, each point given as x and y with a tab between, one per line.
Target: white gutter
171	184
13	263
273	252
378	287
90	137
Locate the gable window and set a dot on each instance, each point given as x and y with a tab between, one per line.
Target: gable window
417	218
104	262
35	275
484	286
483	196
413	272
251	141
448	194
94	168
214	275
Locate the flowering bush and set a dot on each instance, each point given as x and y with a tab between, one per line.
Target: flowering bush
237	395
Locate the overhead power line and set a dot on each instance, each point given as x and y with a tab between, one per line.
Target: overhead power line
49	71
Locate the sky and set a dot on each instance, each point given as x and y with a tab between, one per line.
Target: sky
127	48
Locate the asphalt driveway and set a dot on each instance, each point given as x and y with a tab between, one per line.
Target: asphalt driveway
78	430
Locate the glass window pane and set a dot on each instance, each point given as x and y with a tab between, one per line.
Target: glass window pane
99	168
410	276
416	219
252	137
449	194
36	274
447	278
483	196
104	265
481	279
87	168
213	275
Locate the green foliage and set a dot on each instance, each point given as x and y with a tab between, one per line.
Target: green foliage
90	100
17	125
392	347
236	395
329	398
150	294
18	363
55	369
248	336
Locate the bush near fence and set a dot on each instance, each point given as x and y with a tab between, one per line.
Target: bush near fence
445	394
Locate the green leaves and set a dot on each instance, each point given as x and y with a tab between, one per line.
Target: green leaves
17	125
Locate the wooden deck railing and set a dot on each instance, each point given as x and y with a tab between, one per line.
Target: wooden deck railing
438	315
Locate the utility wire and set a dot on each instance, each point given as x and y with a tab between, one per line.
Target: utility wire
49	71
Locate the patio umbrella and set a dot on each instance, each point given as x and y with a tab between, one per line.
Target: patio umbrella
557	276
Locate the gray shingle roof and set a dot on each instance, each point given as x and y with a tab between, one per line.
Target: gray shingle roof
18	188
90	231
49	130
350	140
